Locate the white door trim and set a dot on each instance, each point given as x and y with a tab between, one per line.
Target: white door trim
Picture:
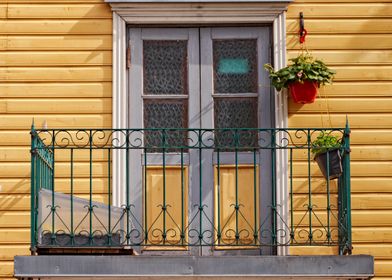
125	13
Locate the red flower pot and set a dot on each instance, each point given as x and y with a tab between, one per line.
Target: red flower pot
305	92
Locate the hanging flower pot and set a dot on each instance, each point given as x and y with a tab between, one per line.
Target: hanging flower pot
326	151
305	92
330	164
303	77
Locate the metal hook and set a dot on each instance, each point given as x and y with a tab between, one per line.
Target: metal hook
302	30
301	23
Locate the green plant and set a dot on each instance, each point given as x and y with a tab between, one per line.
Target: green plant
324	142
303	67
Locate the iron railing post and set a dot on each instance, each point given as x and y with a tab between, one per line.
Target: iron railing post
346	248
33	206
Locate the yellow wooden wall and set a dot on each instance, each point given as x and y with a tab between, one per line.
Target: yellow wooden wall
355	38
55	66
55	54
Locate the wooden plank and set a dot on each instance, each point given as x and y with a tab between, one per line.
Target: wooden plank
350	57
358	185
383	267
66	58
56	74
14	236
81	26
371	185
363	153
373	136
65	42
319	201
363	121
81	170
371	201
56	90
372	235
15	137
357	89
341	26
64	11
363	73
7	252
358	169
358	201
81	185
360	218
22	202
11	121
6	268
339	105
22	154
379	251
3	11
14	219
313	250
342	41
340	10
60	106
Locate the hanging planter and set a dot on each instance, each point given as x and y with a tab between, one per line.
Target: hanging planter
326	151
302	77
305	92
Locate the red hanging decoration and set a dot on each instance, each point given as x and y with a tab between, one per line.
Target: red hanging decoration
302	31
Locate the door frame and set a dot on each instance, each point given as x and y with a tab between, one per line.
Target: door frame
273	14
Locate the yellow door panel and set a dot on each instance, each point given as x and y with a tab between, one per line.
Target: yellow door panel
166	201
236	187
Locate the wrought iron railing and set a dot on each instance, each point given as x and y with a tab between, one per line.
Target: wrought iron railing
187	187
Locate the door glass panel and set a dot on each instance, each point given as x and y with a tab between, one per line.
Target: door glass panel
236	113
165	65
235	66
168	113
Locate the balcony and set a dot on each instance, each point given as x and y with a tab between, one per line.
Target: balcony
213	202
174	207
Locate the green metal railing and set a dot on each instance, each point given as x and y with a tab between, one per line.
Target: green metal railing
72	191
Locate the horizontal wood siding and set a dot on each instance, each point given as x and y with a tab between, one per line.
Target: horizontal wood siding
55	67
355	38
58	53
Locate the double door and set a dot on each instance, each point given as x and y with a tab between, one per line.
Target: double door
200	185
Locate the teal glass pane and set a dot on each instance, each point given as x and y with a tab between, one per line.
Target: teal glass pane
235	66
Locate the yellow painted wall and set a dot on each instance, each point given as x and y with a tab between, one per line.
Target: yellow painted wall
57	53
355	38
55	66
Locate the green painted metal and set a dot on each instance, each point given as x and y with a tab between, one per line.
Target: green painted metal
302	225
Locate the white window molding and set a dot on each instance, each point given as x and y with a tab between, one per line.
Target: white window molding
180	12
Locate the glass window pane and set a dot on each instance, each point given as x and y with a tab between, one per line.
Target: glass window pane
235	66
165	67
165	114
235	113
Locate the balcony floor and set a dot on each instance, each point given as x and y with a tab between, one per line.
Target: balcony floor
234	267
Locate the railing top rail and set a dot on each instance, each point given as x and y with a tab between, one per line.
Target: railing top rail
184	138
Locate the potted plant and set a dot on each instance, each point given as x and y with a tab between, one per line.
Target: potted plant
302	77
326	151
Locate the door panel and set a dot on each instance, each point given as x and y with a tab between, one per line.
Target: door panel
166	187
207	78
164	80
234	95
